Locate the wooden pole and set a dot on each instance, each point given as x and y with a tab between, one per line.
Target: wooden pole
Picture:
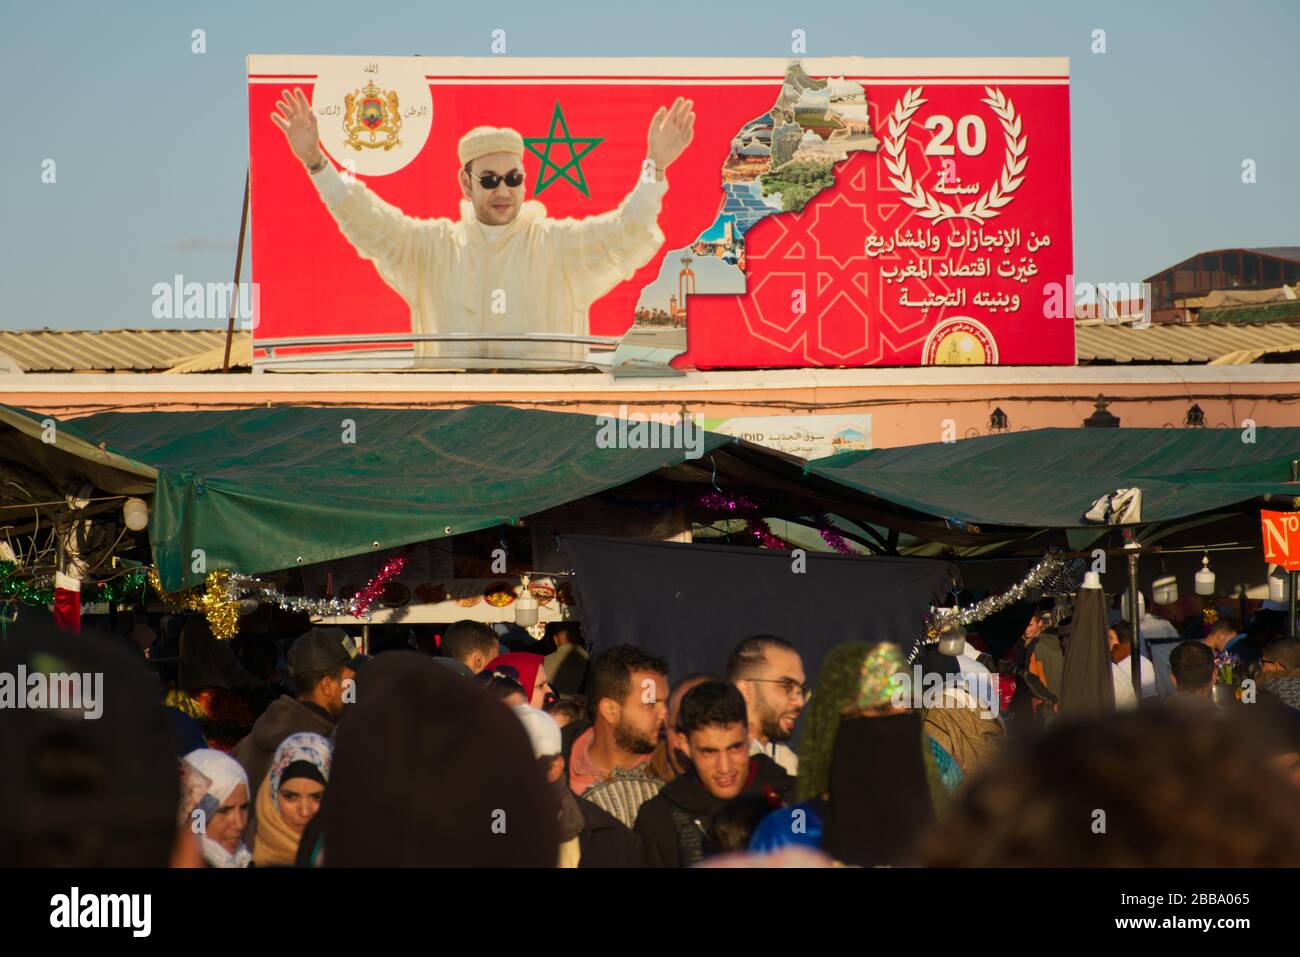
239	262
1294	576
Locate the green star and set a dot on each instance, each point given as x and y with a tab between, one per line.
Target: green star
534	144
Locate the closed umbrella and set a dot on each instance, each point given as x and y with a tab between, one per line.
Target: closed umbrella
1087	687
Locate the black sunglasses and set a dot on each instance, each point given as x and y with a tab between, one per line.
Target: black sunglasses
492	180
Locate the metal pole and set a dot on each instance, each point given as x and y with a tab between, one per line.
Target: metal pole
1135	665
1295	576
239	262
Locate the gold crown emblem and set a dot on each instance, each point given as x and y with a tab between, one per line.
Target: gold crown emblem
371	118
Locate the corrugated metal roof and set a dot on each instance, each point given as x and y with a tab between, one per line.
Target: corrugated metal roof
241	357
1220	344
109	350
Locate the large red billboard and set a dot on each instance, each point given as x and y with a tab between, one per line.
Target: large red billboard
823	212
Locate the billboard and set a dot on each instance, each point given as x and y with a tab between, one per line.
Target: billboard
708	213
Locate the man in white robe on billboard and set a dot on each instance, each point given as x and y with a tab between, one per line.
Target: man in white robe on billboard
504	266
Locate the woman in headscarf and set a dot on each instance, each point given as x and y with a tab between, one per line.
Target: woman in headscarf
531	673
289	797
223	809
965	726
866	764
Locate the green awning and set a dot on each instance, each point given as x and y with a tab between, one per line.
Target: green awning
1048	478
264	489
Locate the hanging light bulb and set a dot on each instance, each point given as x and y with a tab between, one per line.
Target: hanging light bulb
525	607
1142	605
952	638
136	513
1205	578
1164	590
1278	580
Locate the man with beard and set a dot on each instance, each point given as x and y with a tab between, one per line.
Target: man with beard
673	824
769	674
624	793
627	698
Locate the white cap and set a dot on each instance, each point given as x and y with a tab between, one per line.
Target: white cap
482	140
542	730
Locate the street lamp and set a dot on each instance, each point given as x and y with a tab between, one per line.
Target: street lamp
1100	418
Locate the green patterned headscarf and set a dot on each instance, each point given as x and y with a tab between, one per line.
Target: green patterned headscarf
854	676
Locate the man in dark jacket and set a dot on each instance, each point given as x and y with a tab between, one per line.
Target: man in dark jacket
322	664
714	719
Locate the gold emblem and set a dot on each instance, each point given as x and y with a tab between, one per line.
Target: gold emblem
372	112
960	341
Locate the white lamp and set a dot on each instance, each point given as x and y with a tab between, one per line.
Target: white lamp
525	607
136	513
1142	606
1278	580
952	640
1164	591
1205	578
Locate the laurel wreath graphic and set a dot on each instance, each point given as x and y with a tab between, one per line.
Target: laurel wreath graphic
914	195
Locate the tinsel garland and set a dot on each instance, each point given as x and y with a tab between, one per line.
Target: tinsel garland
363	599
760	530
23	589
215	601
831	535
939	621
37	592
358	606
132	583
1209	611
269	594
719	501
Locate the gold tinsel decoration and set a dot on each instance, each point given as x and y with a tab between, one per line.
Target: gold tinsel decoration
1209	612
214	601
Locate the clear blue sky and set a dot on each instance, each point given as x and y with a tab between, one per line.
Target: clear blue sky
150	140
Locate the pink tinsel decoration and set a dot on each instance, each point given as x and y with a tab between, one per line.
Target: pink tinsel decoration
759	529
366	596
832	537
719	501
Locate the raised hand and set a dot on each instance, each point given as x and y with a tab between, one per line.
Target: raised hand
297	122
671	131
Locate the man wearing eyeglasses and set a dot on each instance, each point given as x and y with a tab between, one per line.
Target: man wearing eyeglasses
769	675
504	266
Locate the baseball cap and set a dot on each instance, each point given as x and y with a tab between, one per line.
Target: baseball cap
324	649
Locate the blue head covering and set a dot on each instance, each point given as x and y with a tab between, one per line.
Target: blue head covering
799	825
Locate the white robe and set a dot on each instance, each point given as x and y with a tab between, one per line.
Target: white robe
532	275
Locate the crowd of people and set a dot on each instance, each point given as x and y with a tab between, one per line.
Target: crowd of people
484	753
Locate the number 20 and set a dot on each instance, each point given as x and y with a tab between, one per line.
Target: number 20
971	135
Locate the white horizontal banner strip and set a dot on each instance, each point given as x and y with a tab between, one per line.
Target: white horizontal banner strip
675	81
1005	68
